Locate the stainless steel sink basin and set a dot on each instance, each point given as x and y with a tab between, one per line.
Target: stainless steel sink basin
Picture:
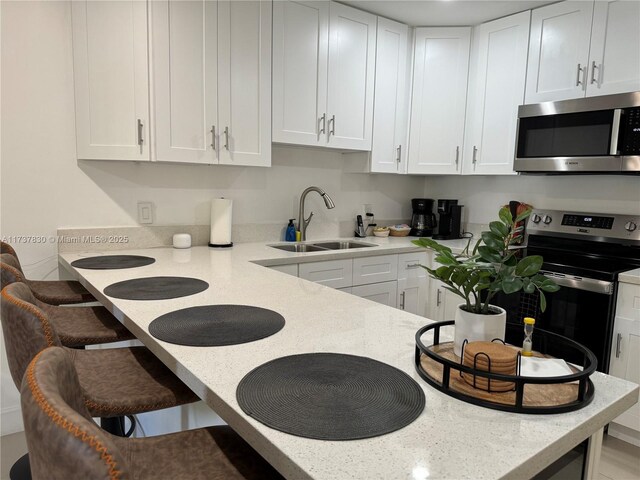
299	248
342	245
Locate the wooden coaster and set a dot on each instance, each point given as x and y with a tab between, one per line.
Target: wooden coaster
490	357
535	395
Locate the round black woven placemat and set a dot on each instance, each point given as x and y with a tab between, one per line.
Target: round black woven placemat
330	396
156	288
112	262
216	325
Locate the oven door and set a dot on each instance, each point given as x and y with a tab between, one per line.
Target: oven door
581	310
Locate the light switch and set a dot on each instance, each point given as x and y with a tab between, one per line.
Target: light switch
145	212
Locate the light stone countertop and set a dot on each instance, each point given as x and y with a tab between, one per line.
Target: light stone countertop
632	276
450	440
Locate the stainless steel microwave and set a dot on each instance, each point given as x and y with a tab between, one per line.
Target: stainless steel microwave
586	135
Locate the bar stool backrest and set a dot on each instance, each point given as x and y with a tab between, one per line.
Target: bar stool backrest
10	270
26	328
63	441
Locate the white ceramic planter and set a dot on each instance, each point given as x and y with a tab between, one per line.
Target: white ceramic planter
474	327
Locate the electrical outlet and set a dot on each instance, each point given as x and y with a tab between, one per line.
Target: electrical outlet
145	213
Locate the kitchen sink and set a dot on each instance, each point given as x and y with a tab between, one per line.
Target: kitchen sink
299	248
321	246
343	245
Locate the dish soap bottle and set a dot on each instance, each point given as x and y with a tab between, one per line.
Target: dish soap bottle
527	344
290	235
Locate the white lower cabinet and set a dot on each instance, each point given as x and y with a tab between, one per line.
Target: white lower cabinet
625	358
412	283
332	273
381	268
288	269
384	293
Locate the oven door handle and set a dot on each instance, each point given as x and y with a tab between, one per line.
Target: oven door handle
580	283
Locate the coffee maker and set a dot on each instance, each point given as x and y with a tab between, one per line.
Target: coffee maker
423	220
450	220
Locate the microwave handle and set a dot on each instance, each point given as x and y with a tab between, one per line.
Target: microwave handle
615	131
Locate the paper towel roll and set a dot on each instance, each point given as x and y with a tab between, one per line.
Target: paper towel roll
221	210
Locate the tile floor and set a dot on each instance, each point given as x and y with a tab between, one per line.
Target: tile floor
619	461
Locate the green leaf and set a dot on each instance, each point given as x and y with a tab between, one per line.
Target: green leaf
489	255
543	302
511	285
523	215
529	288
505	216
493	241
499	229
549	287
457	292
529	266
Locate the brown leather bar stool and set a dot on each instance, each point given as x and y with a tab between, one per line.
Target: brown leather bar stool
76	326
65	443
53	292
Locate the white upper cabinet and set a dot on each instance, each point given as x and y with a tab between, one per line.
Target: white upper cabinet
390	110
244	82
300	56
111	79
439	96
614	63
583	48
212	81
496	89
352	44
323	74
559	51
185	55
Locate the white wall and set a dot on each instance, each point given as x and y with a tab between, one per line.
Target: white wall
482	196
43	187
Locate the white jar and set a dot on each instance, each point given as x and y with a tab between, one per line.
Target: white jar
181	240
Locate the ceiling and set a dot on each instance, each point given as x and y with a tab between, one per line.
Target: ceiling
423	13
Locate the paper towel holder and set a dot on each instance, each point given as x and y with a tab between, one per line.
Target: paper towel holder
221	245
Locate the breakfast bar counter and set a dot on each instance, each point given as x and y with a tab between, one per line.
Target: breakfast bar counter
449	440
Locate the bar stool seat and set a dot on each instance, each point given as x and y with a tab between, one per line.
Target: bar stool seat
53	292
115	381
64	443
76	326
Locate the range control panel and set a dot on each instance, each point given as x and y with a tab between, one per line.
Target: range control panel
599	226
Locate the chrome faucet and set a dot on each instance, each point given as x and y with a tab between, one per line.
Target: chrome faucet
303	223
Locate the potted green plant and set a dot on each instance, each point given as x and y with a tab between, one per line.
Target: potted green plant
478	274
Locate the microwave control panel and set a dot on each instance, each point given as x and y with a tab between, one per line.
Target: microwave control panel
630	132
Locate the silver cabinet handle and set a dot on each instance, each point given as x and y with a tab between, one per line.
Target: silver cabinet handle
140	128
323	119
226	138
402	300
594	67
213	137
399	153
412	265
438	299
475	155
618	345
578	73
457	156
332	122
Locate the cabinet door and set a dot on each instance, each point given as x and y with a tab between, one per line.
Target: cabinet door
288	269
111	79
439	96
412	297
375	269
300	55
614	61
390	99
496	89
352	46
332	273
625	348
244	82
384	293
559	51
184	77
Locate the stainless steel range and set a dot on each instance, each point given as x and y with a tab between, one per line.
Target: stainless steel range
583	253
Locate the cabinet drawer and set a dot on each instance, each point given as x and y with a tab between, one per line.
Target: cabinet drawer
288	269
628	302
384	293
375	269
409	265
333	273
